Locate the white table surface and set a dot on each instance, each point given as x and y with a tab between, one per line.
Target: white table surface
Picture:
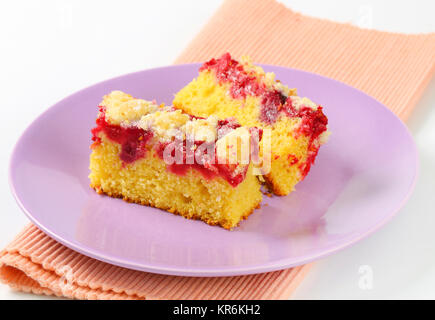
50	49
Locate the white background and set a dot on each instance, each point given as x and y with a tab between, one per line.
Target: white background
50	49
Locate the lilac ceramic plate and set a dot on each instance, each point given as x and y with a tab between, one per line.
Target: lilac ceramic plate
360	180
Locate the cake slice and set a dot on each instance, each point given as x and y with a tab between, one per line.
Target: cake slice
158	156
229	88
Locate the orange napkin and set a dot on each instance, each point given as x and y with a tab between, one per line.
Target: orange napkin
394	68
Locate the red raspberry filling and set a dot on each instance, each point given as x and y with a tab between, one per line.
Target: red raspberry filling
206	164
314	123
230	70
132	140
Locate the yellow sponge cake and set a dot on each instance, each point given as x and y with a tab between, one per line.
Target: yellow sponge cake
149	154
228	88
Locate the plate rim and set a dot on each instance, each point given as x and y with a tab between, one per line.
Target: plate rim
220	271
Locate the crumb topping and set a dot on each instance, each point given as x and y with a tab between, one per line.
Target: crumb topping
268	78
166	122
139	125
201	129
122	108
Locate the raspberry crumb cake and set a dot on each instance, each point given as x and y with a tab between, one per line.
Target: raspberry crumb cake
148	154
229	88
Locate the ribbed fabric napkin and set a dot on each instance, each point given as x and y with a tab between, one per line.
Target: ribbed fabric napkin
394	68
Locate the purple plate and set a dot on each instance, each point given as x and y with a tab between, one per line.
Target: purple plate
361	178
